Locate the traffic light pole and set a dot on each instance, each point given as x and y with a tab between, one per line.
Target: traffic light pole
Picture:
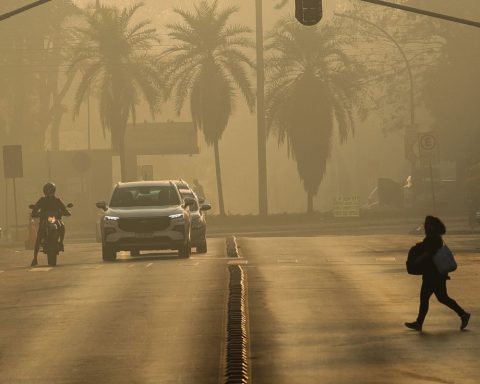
23	9
425	12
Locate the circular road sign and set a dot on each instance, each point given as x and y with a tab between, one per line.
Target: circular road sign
428	142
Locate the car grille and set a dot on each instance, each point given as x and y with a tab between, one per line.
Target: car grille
135	241
140	225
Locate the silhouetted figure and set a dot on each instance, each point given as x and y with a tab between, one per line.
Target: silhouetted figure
198	189
433	282
49	204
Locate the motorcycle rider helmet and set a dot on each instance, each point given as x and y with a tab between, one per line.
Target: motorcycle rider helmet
49	189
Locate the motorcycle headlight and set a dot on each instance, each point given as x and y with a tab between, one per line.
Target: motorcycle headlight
111	218
176	216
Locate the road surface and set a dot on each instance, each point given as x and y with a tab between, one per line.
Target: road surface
148	319
331	310
321	309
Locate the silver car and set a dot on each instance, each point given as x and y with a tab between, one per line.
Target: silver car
145	215
199	223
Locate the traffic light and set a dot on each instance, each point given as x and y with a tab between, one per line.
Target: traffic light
308	12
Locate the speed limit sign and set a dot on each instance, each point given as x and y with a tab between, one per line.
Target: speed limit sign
428	144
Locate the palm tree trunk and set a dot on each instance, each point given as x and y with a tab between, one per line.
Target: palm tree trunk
309	202
219	178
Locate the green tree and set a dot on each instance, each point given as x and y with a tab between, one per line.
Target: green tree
114	61
34	48
206	66
312	87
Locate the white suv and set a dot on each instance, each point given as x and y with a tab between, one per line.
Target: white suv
145	215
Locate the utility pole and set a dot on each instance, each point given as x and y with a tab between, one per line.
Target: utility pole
261	131
424	12
23	9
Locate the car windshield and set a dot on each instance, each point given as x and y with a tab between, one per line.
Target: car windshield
145	196
187	193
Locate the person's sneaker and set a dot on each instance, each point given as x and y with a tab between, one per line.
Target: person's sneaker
34	263
416	326
61	248
465	318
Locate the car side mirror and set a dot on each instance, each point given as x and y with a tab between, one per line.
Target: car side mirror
102	205
189	201
69	205
205	207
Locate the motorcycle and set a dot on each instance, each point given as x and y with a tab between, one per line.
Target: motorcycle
50	243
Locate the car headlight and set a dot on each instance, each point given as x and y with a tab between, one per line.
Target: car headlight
176	216
111	218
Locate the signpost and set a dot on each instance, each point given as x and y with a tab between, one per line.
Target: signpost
346	207
428	146
12	169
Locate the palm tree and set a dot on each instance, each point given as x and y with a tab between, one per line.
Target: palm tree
114	61
312	87
206	66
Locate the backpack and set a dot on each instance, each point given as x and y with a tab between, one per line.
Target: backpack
444	260
414	268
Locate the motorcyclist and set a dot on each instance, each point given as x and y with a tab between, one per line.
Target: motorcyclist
49	204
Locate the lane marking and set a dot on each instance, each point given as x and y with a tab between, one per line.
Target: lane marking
40	269
238	262
386	259
148	265
91	266
286	261
191	265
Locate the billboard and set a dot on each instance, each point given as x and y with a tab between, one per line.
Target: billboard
168	138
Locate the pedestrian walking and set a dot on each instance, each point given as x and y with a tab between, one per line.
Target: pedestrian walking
433	282
198	189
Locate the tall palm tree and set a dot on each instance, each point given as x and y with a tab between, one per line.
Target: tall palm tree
114	60
312	87
205	66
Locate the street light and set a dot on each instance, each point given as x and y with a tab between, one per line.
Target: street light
23	9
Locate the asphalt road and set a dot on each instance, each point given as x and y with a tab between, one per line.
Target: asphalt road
331	310
148	319
322	309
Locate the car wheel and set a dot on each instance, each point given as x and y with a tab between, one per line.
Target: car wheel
108	253
185	251
202	248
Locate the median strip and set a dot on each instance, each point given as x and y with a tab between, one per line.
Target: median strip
232	247
237	370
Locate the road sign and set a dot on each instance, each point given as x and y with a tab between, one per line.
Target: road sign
427	145
346	207
12	161
170	138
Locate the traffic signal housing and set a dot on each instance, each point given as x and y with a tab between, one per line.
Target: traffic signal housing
308	12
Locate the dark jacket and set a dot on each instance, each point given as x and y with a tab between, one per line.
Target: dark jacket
50	205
